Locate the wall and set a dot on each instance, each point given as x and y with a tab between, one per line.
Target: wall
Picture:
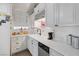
62	32
19	18
31	22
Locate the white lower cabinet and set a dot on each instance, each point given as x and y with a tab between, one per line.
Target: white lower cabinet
50	14
33	46
55	53
29	44
18	44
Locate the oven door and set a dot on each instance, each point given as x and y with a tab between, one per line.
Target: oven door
43	50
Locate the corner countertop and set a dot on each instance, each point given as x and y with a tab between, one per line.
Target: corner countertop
62	48
19	35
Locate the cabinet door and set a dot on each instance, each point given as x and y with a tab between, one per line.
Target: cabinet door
13	44
77	14
18	44
29	43
66	14
54	53
22	43
50	14
27	38
35	47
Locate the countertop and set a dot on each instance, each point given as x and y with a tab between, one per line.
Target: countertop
60	47
19	35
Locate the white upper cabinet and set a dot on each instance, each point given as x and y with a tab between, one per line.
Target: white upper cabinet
65	14
62	14
50	14
59	14
76	14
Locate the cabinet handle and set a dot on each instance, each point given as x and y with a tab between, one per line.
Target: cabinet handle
56	25
38	10
0	23
7	18
3	21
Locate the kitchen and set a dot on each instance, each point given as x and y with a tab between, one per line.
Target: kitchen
39	29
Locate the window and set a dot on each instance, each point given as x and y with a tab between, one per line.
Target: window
19	27
40	23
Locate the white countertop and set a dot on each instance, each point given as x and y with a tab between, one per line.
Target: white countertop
19	35
62	48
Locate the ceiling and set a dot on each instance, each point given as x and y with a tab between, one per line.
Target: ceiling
20	12
23	7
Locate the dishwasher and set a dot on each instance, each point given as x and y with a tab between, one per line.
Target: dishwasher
43	50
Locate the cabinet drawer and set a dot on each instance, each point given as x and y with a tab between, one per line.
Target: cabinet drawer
33	46
35	42
54	53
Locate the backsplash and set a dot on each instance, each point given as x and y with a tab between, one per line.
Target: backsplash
62	32
46	30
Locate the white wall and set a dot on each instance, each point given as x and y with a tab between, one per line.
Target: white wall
31	22
19	18
62	32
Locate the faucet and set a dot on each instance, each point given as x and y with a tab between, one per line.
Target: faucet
39	31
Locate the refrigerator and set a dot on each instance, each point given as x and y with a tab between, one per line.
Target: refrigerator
4	37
